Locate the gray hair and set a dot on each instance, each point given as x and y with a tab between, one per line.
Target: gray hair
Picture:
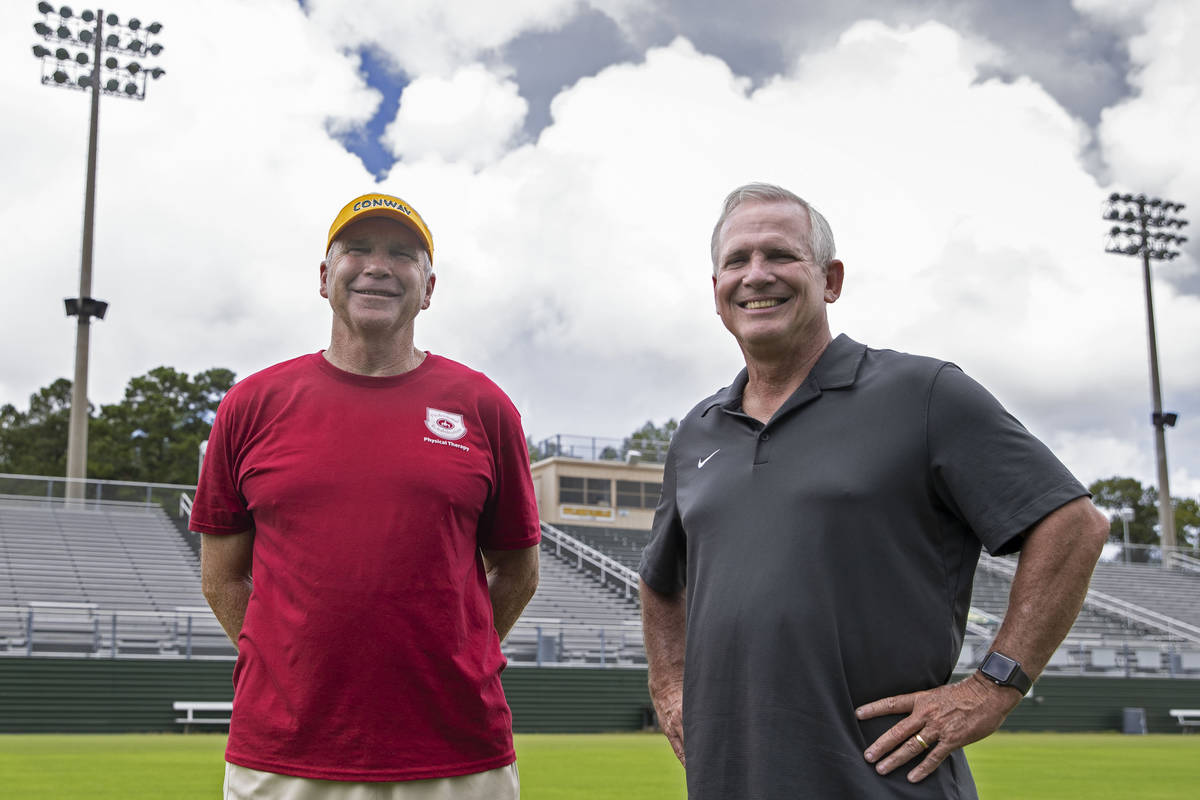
820	240
426	260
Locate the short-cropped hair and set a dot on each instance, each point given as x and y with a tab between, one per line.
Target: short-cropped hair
821	236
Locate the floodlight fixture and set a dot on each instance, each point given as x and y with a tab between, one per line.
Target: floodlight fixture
76	62
1150	241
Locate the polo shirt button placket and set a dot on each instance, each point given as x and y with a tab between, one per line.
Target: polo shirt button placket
762	449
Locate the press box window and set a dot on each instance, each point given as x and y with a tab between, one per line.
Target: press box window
599	491
585	491
570	490
638	494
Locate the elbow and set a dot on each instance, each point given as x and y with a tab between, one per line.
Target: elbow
1093	532
531	582
209	588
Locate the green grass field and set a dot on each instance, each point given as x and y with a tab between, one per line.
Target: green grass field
601	767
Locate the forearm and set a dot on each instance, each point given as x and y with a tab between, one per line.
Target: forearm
1051	583
228	601
512	579
664	628
225	578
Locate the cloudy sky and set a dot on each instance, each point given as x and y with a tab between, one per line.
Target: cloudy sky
570	157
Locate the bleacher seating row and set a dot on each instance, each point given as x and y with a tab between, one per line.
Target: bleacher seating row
117	579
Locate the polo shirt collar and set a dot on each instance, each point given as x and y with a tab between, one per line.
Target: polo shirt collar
837	368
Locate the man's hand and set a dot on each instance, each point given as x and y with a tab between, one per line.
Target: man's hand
664	627
946	718
668	704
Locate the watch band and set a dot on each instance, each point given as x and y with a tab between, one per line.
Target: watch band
1004	671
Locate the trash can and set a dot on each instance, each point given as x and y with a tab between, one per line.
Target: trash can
1133	720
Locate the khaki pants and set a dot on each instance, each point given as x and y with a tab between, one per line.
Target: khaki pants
243	783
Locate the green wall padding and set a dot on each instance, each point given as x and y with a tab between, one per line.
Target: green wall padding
43	695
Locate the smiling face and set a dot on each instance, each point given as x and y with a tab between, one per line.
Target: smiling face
768	291
375	279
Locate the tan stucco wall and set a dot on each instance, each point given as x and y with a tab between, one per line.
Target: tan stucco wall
547	472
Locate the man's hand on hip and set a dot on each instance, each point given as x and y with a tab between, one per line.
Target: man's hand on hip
668	703
939	721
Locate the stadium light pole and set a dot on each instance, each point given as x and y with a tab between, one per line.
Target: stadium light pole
1140	229
67	63
1126	515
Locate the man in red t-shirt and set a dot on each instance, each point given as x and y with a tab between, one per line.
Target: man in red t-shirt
380	496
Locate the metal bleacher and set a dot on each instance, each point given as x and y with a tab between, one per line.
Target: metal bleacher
623	544
102	578
1137	620
99	578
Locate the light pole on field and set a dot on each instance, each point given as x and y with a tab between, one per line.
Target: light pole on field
71	59
1141	227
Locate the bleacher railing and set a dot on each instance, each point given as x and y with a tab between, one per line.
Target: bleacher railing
589	559
1184	562
1106	603
600	448
96	492
541	642
85	630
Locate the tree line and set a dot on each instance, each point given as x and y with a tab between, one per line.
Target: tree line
153	434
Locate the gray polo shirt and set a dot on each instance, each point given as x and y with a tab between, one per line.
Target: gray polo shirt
828	558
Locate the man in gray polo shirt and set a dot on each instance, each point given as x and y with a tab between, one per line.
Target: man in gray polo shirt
813	553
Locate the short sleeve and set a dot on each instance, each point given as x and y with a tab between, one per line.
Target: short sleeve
664	561
991	472
510	518
219	507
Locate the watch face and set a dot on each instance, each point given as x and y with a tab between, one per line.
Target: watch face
998	667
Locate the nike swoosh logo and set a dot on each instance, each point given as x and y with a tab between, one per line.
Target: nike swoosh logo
700	464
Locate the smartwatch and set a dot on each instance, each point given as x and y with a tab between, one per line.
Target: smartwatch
1004	671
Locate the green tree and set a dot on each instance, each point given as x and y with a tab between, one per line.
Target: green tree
651	440
535	450
152	435
1187	522
34	442
1113	494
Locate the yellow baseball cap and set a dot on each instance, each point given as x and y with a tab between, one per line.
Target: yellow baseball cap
380	205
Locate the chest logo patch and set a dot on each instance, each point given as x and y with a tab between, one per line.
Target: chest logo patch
445	424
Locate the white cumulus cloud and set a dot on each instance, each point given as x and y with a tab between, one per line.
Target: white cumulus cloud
471	116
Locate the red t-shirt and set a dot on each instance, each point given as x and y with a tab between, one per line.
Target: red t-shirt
368	651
